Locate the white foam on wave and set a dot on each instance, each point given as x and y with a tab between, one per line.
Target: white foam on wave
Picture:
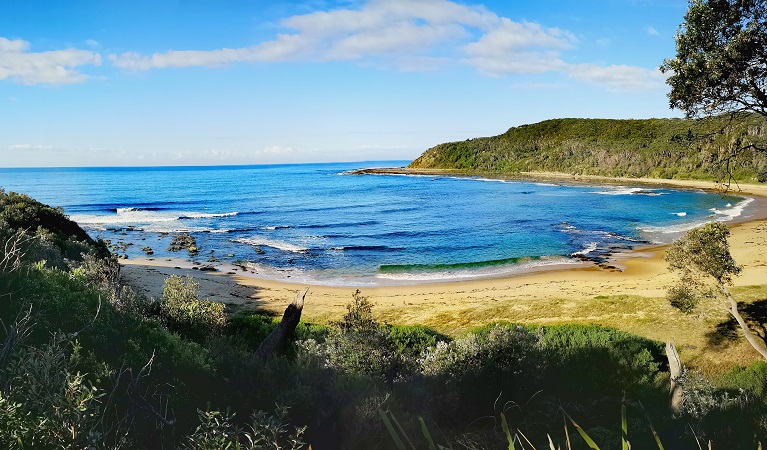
486	272
125	216
258	241
138	216
624	190
680	214
275	227
199	215
727	214
730	212
590	247
492	180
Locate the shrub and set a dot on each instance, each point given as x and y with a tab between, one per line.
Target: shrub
43	404
503	347
600	359
186	314
266	431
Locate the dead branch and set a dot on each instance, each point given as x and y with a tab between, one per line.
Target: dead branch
284	330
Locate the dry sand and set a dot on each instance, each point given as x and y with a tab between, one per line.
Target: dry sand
632	300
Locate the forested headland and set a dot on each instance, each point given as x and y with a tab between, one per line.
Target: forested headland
710	149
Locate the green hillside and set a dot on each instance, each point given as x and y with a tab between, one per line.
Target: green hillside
656	148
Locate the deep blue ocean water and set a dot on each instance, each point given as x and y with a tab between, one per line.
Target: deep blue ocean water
317	223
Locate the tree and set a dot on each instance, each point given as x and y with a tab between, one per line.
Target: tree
703	258
721	68
721	60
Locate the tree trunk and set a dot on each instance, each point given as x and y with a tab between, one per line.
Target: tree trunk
284	330
675	367
750	337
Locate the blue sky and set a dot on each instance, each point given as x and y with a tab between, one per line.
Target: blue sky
193	82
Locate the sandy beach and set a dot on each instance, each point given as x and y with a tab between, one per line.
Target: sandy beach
632	299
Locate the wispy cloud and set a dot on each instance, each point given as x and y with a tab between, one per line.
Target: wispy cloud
652	31
19	64
410	35
618	77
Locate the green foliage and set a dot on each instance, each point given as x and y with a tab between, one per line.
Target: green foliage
581	355
360	345
720	52
705	250
267	431
412	340
683	298
185	313
21	212
506	348
752	379
359	314
250	329
656	148
44	403
700	394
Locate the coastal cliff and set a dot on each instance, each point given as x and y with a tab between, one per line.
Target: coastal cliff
652	148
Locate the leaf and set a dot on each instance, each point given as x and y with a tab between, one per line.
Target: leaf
426	434
590	442
624	428
397	441
505	427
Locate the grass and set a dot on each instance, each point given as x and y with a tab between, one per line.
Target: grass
650	317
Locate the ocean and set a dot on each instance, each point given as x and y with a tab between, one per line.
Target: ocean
317	223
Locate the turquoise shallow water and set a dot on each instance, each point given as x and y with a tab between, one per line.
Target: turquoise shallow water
317	223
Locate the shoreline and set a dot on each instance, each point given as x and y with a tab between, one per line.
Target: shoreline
758	190
632	300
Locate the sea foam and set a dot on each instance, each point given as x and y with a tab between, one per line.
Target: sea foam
258	241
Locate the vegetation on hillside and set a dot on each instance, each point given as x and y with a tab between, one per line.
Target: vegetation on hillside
87	363
655	148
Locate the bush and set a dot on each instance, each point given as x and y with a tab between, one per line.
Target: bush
266	431
44	404
186	314
604	360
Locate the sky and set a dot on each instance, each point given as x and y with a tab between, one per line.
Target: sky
195	82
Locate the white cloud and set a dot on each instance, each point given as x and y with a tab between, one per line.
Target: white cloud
411	35
277	150
519	48
29	147
17	63
403	34
652	31
618	77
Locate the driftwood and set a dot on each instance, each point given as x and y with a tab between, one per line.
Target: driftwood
675	367
284	330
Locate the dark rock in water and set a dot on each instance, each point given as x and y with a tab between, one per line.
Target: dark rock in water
148	250
183	241
208	269
259	251
195	268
